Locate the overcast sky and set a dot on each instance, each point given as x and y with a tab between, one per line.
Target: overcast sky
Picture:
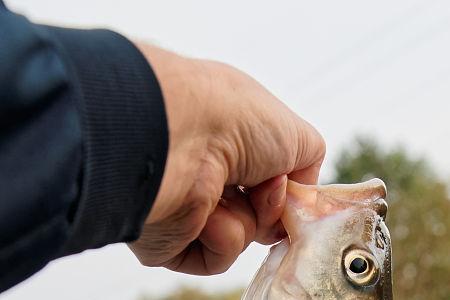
349	67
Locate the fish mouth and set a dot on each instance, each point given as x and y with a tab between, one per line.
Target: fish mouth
380	206
308	203
370	194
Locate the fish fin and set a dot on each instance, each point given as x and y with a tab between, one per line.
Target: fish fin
260	284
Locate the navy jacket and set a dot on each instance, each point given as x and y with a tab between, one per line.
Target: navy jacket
83	142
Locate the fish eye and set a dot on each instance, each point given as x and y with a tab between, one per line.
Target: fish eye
358	265
361	267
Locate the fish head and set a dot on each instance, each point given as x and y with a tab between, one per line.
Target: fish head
338	247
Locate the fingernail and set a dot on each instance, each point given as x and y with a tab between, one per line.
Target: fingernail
277	195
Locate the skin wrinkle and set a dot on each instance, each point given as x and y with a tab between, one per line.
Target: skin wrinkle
314	158
304	149
293	150
179	261
160	243
220	153
221	148
167	209
175	263
208	271
209	194
254	133
242	163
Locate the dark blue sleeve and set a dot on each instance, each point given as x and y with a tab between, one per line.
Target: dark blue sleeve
83	142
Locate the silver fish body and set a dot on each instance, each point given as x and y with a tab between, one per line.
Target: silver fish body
338	247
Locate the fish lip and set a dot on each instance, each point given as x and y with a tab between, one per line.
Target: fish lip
317	201
373	195
377	205
380	206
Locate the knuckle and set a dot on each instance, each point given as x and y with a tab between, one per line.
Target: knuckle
321	146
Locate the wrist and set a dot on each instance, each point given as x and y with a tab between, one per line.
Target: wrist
185	84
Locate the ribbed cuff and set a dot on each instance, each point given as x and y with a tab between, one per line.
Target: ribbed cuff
125	136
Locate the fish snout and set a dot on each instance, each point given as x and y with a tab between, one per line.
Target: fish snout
378	192
380	206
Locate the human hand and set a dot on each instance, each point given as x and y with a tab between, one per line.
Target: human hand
225	130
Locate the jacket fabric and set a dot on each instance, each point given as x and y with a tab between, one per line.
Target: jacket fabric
83	142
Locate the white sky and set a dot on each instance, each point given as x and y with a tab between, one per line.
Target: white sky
378	67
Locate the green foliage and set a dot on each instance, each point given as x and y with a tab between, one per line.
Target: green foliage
418	217
187	293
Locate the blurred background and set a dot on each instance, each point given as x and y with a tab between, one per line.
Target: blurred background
372	76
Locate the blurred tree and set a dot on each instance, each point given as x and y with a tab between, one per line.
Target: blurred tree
188	293
418	217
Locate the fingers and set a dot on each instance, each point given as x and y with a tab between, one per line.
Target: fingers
225	236
217	247
228	231
239	206
268	200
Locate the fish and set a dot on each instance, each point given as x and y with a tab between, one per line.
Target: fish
338	246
